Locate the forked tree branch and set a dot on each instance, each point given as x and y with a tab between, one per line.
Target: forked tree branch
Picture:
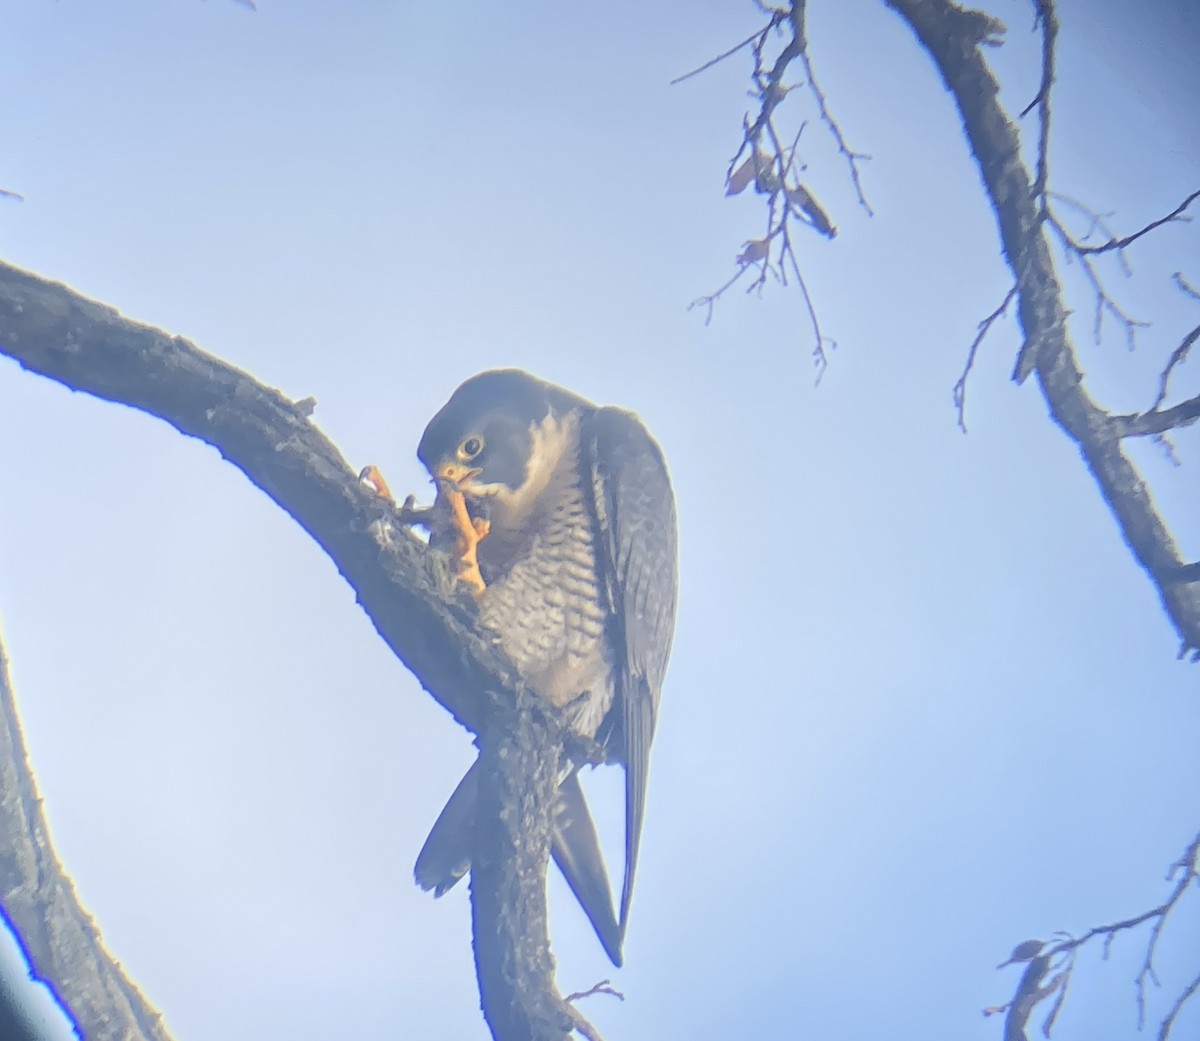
52	331
951	36
1050	966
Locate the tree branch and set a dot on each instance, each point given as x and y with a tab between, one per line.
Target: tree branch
760	36
87	346
1119	244
1158	421
960	388
952	37
774	171
1178	356
1104	300
57	935
849	154
508	916
1061	956
1047	18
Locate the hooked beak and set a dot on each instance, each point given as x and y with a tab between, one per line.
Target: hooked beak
456	476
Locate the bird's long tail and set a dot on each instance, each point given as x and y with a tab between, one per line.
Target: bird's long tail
446	855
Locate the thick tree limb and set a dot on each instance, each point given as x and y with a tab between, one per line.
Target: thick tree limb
508	917
39	902
951	37
87	346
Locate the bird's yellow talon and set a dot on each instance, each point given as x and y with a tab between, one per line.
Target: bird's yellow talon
468	532
373	478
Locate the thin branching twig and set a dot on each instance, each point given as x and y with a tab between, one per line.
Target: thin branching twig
773	168
1047	19
1061	956
960	388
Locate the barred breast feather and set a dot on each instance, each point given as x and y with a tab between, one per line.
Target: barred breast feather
544	599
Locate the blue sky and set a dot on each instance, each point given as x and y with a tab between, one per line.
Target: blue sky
934	712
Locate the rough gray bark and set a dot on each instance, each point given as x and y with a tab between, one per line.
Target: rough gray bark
508	909
39	903
53	331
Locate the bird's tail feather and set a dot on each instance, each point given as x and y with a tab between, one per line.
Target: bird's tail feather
576	850
446	855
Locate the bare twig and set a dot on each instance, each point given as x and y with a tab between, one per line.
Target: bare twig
819	356
1127	240
774	169
1184	286
1165	445
1104	301
1164	1030
852	157
770	88
1064	981
1098	222
603	987
1178	356
1047	18
1084	251
1184	872
960	388
708	301
776	18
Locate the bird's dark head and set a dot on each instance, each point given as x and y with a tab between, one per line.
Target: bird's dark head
488	434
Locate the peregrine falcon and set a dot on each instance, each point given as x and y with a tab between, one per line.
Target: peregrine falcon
569	540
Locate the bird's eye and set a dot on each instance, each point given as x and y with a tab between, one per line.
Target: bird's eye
470	448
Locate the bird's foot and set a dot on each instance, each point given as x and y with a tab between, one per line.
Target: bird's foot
468	533
372	477
409	512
